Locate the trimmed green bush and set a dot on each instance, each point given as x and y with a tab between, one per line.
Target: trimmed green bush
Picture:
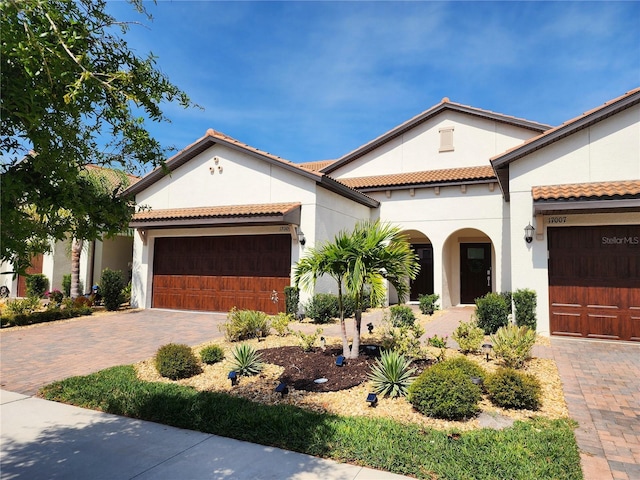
402	315
428	303
212	354
176	361
246	360
525	302
111	285
323	308
291	300
404	339
307	341
50	315
37	285
509	388
492	312
280	323
469	336
513	345
245	324
22	306
392	374
445	392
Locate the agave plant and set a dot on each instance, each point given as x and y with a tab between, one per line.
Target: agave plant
246	360
392	375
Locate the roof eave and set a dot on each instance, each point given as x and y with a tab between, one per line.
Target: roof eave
550	207
405	186
348	192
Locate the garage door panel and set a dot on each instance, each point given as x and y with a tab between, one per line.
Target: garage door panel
566	323
605	325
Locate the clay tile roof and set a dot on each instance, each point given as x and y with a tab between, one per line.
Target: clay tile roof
317	165
226	211
597	190
222	136
448	175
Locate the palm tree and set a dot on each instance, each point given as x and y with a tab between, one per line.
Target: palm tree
359	261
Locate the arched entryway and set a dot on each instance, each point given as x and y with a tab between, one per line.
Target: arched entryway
468	260
423	283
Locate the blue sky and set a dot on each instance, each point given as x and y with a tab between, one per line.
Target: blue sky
315	80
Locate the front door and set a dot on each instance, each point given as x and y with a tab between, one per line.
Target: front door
475	271
423	283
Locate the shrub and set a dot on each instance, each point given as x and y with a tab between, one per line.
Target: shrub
23	306
322	308
391	375
513	345
246	361
175	361
37	285
280	323
80	302
111	285
428	303
468	367
55	296
402	315
509	388
307	341
245	324
49	315
291	300
468	336
405	339
212	354
445	392
492	312
438	342
525	306
126	293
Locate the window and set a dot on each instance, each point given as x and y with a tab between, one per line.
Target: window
446	139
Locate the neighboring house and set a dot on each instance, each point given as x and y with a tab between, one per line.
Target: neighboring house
226	223
114	253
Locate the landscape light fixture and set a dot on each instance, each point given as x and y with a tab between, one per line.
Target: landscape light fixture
372	399
528	233
476	380
340	360
282	389
486	349
323	343
370	327
233	376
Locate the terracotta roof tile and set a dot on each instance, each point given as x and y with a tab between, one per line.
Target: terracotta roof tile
448	175
225	211
587	190
316	166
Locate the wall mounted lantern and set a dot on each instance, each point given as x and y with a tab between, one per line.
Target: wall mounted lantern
528	233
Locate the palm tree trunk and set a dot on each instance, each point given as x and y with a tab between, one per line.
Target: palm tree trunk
355	346
76	250
343	325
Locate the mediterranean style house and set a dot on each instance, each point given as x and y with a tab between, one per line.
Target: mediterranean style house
489	202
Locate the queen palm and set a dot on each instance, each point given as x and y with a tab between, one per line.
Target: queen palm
361	260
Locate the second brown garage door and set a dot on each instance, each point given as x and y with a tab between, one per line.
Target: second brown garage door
594	282
219	273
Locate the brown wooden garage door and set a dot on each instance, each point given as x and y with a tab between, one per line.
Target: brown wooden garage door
219	273
594	282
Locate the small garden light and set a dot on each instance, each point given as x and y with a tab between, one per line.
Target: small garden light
233	376
372	399
476	380
323	343
486	349
370	327
340	360
282	389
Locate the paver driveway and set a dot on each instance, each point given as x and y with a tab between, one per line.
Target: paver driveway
34	356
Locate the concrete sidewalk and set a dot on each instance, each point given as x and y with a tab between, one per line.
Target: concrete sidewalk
49	440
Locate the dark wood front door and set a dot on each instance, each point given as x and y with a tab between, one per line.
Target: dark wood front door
35	267
475	271
219	273
423	284
594	282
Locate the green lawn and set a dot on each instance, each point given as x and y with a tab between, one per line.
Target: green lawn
534	449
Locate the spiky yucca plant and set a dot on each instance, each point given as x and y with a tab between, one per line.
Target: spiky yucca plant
246	360
392	375
513	345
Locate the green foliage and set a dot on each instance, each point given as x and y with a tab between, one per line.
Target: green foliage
212	354
23	306
111	285
440	343
428	303
468	336
468	367
70	83
246	360
404	340
126	293
513	345
522	451
55	296
291	300
492	312
37	285
245	324
280	323
176	361
66	285
307	341
50	315
322	308
445	392
392	374
509	388
525	302
402	315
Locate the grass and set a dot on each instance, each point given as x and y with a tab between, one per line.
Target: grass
537	448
